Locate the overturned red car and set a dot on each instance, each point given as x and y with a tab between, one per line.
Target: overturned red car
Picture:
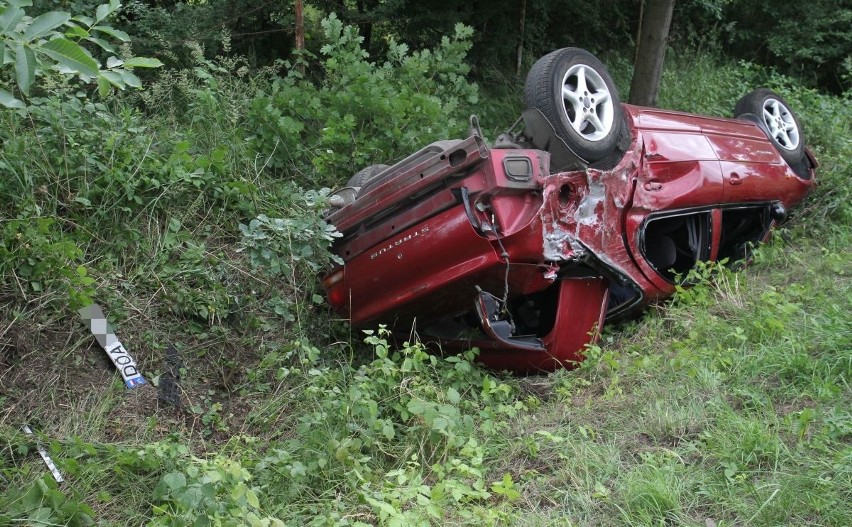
524	248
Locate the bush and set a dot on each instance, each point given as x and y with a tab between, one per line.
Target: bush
321	131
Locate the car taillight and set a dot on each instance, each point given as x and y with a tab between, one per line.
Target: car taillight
333	284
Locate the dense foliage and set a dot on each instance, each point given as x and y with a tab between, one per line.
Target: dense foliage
812	42
191	211
358	111
54	41
102	175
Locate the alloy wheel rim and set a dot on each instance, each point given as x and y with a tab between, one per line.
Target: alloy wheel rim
782	126
587	103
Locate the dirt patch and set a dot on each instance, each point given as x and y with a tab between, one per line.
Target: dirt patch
56	377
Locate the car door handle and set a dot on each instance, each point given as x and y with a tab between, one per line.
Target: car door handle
653	186
735	179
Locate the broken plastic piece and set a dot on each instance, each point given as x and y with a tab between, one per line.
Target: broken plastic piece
44	456
169	386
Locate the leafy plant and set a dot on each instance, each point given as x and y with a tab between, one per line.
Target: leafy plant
293	249
54	41
37	254
209	492
44	504
321	130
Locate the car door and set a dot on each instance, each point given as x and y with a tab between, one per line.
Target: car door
752	170
680	166
669	224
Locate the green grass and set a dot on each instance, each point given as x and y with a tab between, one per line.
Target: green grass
730	405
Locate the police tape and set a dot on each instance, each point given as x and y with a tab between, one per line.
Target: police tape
97	322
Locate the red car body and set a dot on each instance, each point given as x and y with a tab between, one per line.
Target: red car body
478	246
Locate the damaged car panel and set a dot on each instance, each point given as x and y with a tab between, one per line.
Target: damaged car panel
490	247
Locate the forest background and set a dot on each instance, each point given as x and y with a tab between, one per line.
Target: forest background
170	161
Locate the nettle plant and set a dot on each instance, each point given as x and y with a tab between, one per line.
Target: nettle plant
57	41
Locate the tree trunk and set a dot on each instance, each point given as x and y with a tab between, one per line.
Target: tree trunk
520	50
651	51
300	33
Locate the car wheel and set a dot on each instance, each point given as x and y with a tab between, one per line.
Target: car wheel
575	93
774	116
364	175
349	193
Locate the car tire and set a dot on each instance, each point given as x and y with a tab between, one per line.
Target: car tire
349	192
575	93
774	116
364	175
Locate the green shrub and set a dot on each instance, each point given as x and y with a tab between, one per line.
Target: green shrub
57	42
293	250
403	434
321	131
43	503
